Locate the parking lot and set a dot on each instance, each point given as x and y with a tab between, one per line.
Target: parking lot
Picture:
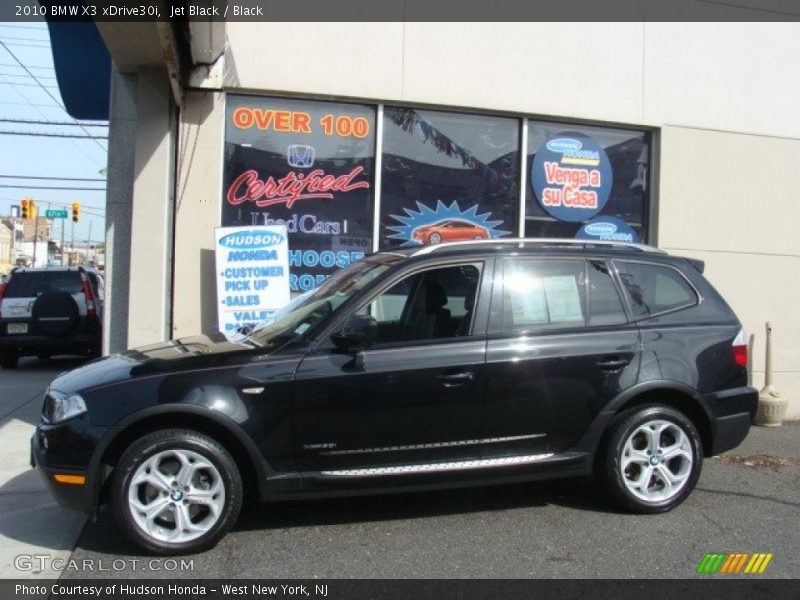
746	501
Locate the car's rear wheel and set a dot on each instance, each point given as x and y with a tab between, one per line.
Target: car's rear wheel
176	491
9	361
652	459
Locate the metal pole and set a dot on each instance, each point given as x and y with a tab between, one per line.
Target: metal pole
63	250
72	243
89	244
35	233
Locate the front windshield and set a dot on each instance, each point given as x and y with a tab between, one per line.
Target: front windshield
303	314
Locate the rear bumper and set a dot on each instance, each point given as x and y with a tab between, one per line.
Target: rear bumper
24	345
732	413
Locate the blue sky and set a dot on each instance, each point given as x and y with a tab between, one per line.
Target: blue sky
22	98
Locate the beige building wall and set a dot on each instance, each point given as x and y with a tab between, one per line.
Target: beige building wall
729	199
197	212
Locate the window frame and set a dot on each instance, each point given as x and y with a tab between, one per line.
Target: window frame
636	319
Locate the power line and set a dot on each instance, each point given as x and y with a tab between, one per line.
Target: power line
15	26
24	39
53	178
57	135
55	123
25	75
50	87
46	91
42	46
48	187
29	66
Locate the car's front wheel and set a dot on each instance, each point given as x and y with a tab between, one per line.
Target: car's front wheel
176	491
434	238
652	460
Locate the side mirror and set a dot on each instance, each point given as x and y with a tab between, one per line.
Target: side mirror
358	333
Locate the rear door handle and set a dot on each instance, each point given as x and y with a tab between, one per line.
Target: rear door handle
455	379
612	364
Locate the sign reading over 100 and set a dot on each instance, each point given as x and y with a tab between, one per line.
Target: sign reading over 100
289	121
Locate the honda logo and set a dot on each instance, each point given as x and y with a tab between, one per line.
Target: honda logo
300	156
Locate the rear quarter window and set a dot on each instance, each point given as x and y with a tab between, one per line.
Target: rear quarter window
655	289
30	285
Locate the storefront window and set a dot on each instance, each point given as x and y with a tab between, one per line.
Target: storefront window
307	165
587	182
447	176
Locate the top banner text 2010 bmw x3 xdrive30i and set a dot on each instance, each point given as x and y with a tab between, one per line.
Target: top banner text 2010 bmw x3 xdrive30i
477	362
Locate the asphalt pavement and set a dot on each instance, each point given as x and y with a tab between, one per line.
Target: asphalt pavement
746	501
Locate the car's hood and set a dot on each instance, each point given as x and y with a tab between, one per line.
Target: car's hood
185	353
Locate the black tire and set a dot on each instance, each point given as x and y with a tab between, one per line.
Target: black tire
175	439
609	465
9	361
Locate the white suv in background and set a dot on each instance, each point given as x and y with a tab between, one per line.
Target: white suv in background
50	310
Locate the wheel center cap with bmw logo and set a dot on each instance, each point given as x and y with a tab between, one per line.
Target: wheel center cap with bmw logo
176	495
655	460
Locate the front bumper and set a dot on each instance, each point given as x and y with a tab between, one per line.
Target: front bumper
67	449
732	413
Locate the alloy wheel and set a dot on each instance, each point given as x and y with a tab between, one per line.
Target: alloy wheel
176	496
656	461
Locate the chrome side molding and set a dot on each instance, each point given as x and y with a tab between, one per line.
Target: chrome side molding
441	467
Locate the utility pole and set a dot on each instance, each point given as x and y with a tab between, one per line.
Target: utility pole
35	232
72	243
63	250
89	243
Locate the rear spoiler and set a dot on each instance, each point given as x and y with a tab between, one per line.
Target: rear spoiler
698	264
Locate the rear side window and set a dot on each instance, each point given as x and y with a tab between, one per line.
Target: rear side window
655	289
30	285
543	294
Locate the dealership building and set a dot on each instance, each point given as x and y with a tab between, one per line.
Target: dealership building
367	136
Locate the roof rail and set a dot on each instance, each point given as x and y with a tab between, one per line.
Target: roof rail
522	242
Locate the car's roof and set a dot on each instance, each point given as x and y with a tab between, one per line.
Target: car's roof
49	269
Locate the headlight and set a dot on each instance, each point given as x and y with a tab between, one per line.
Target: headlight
59	407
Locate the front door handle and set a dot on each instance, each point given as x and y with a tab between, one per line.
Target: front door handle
456	379
612	364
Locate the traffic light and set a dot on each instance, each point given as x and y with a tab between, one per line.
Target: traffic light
76	211
32	210
26	211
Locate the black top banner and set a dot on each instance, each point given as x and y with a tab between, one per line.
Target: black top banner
401	10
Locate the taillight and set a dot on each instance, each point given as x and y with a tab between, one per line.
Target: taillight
740	348
2	291
91	309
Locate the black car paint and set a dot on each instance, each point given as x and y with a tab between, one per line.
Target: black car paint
303	409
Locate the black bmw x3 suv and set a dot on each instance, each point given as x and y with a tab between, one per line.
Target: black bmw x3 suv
458	364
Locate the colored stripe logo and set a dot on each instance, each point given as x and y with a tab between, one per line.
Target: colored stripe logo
734	563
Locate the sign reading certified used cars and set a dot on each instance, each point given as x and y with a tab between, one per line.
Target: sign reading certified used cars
252	274
571	177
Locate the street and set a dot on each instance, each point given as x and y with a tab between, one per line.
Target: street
746	501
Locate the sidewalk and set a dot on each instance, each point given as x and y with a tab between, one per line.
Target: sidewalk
34	530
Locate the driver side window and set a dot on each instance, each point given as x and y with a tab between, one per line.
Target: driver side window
433	304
